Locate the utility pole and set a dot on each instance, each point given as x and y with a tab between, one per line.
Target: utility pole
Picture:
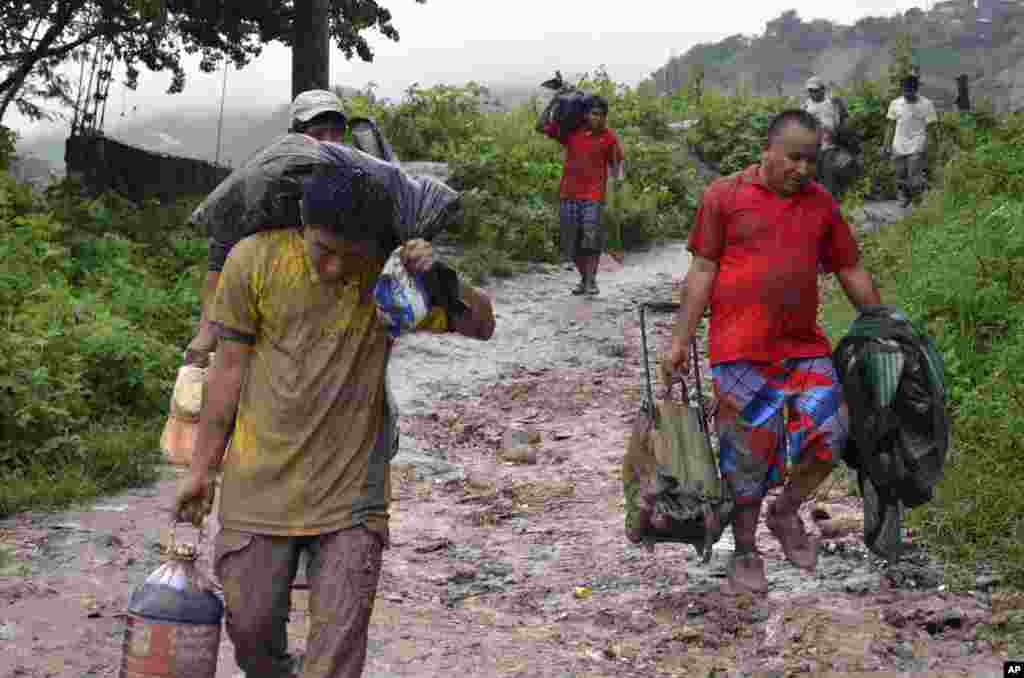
220	120
311	47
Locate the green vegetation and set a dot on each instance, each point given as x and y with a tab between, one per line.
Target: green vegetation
956	265
510	173
97	298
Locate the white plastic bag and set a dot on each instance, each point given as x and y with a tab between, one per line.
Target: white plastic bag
187	398
401	297
181	430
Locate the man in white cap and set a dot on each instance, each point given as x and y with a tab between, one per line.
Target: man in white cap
829	117
316	113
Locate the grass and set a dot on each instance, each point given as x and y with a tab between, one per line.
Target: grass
955	264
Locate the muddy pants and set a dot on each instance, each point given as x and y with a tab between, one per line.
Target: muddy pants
256	572
910	179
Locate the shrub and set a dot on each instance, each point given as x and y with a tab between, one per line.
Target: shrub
955	264
93	325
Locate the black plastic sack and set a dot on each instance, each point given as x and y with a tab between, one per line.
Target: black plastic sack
568	110
265	193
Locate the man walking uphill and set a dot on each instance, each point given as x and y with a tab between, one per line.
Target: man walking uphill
590	151
298	386
760	238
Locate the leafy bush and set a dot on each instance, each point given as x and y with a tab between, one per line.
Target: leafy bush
510	174
94	322
731	130
956	263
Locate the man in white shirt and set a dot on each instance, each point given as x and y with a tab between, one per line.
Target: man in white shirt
822	108
829	116
912	120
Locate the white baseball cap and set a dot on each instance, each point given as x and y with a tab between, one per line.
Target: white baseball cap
815	83
311	103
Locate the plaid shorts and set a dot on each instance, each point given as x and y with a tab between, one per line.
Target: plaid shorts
581	232
774	416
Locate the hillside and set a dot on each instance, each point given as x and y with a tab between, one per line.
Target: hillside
953	38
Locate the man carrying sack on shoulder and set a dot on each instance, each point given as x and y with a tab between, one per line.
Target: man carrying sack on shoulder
298	419
592	152
760	239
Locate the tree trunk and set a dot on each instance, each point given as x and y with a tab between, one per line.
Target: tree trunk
311	55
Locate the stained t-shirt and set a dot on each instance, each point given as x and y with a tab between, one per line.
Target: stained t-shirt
313	436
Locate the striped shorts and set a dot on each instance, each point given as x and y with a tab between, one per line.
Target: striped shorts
772	417
582	232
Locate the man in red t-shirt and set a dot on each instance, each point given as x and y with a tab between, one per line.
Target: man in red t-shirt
761	238
589	153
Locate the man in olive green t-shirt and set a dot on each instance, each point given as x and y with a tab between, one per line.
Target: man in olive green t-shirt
298	386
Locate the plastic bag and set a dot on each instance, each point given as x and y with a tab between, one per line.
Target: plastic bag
401	297
567	109
181	430
265	194
670	477
187	397
671	482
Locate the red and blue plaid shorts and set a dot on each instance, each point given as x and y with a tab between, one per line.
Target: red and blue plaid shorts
774	416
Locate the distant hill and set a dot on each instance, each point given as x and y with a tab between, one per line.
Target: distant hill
984	40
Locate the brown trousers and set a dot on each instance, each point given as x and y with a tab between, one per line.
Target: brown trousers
256	573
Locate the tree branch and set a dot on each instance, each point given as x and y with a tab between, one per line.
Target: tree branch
53	51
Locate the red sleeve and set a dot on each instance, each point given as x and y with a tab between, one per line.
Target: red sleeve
616	154
707	238
839	249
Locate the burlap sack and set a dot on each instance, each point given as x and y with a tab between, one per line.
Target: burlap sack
671	482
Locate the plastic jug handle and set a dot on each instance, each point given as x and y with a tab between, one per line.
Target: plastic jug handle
184	551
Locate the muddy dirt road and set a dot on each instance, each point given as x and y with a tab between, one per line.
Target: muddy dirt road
520	568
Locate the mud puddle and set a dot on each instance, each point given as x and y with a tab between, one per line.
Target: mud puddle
508	555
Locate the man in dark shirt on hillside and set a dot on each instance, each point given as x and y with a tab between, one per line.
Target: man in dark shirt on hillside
590	152
760	239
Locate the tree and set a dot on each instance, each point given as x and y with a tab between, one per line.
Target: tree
37	37
902	63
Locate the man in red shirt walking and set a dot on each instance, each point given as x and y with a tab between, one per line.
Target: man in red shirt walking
760	239
590	152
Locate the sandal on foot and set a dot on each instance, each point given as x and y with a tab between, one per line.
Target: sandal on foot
788	528
745	574
581	288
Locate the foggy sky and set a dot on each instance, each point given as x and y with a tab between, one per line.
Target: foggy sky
454	41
